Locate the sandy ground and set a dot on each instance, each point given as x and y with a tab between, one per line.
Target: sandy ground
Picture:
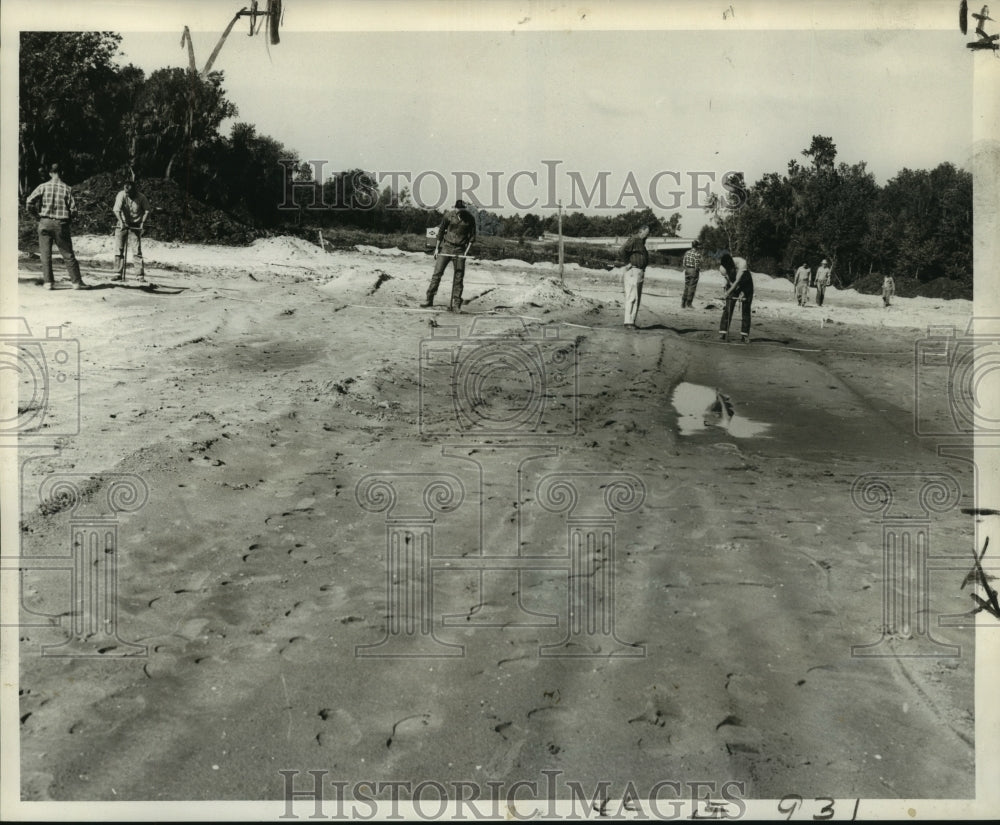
256	393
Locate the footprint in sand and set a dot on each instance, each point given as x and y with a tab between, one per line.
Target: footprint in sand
338	728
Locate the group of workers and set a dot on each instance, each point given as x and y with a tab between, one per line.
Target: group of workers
56	209
738	283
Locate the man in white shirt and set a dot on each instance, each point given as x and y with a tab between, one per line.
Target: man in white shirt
131	208
739	286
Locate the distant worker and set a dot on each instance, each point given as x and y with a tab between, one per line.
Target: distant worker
131	209
739	287
801	282
56	210
454	239
692	271
888	289
822	281
636	259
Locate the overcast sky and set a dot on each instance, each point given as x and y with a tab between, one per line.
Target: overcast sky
645	102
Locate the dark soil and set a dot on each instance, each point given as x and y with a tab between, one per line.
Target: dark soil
175	214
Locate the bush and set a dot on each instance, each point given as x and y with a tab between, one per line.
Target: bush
943	288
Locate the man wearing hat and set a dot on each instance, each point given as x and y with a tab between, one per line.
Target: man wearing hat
822	280
692	270
56	208
454	239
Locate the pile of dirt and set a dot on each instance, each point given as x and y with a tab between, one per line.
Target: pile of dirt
551	294
175	214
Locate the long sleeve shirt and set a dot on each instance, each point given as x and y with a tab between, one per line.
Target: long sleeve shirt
634	253
692	260
802	276
456	232
823	276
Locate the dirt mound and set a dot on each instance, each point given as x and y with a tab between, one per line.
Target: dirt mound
551	294
176	215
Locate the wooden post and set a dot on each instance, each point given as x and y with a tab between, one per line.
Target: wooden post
560	244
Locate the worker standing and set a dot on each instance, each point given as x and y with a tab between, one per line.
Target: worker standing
131	209
56	210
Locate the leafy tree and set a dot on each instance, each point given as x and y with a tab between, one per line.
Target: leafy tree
823	152
928	218
179	113
531	225
246	174
71	103
672	228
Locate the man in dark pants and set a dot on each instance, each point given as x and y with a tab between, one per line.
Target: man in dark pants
692	270
739	284
56	208
454	239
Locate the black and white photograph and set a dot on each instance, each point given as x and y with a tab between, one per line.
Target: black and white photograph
499	410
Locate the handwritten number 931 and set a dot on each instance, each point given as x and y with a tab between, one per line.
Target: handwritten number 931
791	803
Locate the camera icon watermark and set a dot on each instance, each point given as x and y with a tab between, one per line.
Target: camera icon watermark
90	568
499	380
967	368
46	370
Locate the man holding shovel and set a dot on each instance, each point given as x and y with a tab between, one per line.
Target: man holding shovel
131	209
454	239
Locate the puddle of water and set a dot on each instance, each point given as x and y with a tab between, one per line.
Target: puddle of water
699	408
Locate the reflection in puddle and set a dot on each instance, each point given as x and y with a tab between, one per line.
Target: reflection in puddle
700	407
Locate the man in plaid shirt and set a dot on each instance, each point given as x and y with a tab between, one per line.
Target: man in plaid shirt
692	270
56	209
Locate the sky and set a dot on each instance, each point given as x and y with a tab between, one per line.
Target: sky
658	114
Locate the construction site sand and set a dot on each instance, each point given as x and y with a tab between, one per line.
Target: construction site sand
254	389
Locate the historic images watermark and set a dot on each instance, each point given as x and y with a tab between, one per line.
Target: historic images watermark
315	795
521	189
500	399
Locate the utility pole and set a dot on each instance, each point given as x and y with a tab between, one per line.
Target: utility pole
560	244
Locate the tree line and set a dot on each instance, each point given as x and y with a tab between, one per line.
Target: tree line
916	227
79	107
